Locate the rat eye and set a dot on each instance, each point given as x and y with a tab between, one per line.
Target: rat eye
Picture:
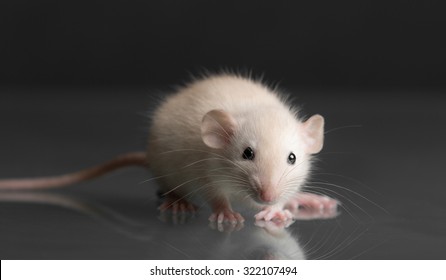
248	153
291	158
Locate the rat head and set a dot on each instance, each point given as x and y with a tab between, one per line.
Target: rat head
268	151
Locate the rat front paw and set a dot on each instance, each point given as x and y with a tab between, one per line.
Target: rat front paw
226	215
274	213
313	201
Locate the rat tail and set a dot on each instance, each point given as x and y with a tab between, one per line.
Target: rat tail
128	159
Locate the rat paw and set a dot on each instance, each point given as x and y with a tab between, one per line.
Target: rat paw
313	201
175	219
177	206
226	215
226	227
176	211
273	226
315	214
274	213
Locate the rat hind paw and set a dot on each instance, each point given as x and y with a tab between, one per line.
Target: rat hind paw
226	216
177	206
273	213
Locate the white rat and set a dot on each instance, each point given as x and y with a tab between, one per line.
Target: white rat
220	137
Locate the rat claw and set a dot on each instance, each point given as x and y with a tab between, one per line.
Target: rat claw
270	215
213	217
239	217
260	215
274	226
273	213
226	216
288	214
220	218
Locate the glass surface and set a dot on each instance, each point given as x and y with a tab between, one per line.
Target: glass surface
383	159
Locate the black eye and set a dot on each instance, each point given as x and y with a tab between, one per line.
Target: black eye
291	158
248	153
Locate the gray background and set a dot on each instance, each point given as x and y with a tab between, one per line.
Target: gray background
77	81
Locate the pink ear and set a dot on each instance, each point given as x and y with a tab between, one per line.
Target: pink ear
217	128
313	130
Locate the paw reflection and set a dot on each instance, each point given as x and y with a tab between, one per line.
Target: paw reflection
273	225
226	227
176	218
260	240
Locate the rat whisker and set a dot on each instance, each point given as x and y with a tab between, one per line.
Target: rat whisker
354	192
182	184
197	189
181	171
317	191
348	178
293	168
202	160
343	245
207	152
342	127
321	242
191	150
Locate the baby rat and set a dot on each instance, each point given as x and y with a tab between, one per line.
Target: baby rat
222	137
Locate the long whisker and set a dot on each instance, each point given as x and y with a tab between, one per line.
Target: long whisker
292	169
342	127
207	152
344	206
182	184
317	190
349	178
177	172
199	189
191	150
319	245
354	192
343	245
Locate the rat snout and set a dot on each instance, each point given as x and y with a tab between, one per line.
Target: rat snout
266	192
266	196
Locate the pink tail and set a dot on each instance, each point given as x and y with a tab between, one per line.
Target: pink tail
129	159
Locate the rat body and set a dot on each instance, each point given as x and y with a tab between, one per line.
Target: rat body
221	137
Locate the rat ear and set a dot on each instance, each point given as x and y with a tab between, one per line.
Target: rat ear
313	130
217	128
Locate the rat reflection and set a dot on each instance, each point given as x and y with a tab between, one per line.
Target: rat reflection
262	240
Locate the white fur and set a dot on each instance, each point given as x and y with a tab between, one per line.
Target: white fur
187	166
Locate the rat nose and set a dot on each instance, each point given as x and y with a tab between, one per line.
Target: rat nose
266	196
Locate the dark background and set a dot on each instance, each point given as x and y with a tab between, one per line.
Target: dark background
307	43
